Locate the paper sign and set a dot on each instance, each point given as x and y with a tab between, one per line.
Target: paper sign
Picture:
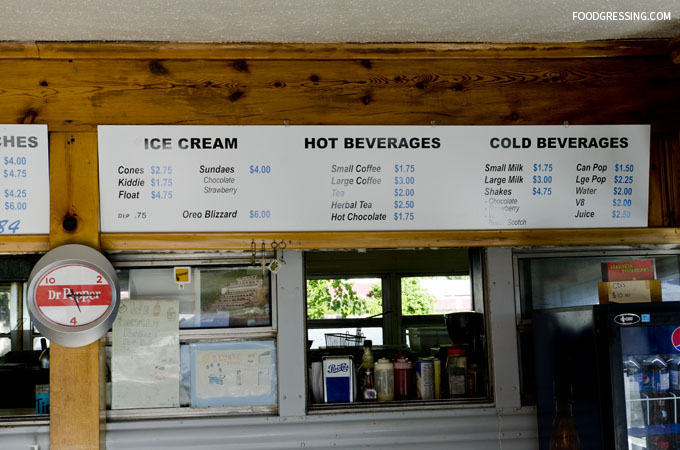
640	269
145	358
634	291
182	275
24	179
233	374
630	292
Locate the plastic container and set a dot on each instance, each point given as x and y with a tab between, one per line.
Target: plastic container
403	379
425	378
456	369
421	340
384	380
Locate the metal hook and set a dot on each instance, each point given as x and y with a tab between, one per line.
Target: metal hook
279	246
253	252
264	263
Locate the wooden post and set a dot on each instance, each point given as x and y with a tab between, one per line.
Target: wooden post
77	387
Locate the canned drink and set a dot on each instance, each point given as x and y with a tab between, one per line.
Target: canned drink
338	379
425	378
437	379
42	398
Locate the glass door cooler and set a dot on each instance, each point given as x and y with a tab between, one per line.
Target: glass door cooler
607	376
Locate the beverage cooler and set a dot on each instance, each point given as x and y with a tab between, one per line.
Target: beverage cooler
607	376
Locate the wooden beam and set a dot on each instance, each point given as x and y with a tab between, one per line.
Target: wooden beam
78	94
24	244
392	239
77	400
391	51
674	47
19	50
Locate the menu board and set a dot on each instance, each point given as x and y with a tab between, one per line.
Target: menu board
357	178
24	179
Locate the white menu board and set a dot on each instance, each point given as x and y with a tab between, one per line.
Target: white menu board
354	178
24	180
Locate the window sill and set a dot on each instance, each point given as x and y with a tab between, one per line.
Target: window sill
406	405
122	415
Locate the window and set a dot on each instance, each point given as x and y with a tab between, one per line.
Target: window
197	347
23	356
397	300
558	279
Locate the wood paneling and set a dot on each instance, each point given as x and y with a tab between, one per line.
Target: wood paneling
19	50
392	239
24	244
674	48
76	86
398	51
77	94
77	400
75	397
74	193
664	198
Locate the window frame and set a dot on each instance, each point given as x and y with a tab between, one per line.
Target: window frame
187	336
524	306
391	273
394	325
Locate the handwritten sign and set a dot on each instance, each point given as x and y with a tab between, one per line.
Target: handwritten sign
145	359
233	374
632	291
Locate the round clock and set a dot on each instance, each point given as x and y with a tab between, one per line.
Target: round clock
73	295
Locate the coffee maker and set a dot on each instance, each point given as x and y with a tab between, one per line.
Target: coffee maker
466	330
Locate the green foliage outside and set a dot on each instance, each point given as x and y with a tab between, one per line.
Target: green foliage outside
337	298
415	300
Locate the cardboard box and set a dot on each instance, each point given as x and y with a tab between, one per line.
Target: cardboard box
633	291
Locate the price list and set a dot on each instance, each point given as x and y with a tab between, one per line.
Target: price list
622	192
318	178
25	179
260	171
404	192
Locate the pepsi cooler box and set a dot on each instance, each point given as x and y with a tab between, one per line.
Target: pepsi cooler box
338	379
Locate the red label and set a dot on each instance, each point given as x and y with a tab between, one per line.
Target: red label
676	338
85	295
641	269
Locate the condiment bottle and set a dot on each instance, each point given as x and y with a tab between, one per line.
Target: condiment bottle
456	368
403	373
368	391
384	380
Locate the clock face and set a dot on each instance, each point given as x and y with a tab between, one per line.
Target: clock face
73	295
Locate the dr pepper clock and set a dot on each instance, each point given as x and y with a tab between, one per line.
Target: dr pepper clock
73	295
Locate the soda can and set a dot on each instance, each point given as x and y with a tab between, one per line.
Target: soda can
338	379
42	398
425	378
437	379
